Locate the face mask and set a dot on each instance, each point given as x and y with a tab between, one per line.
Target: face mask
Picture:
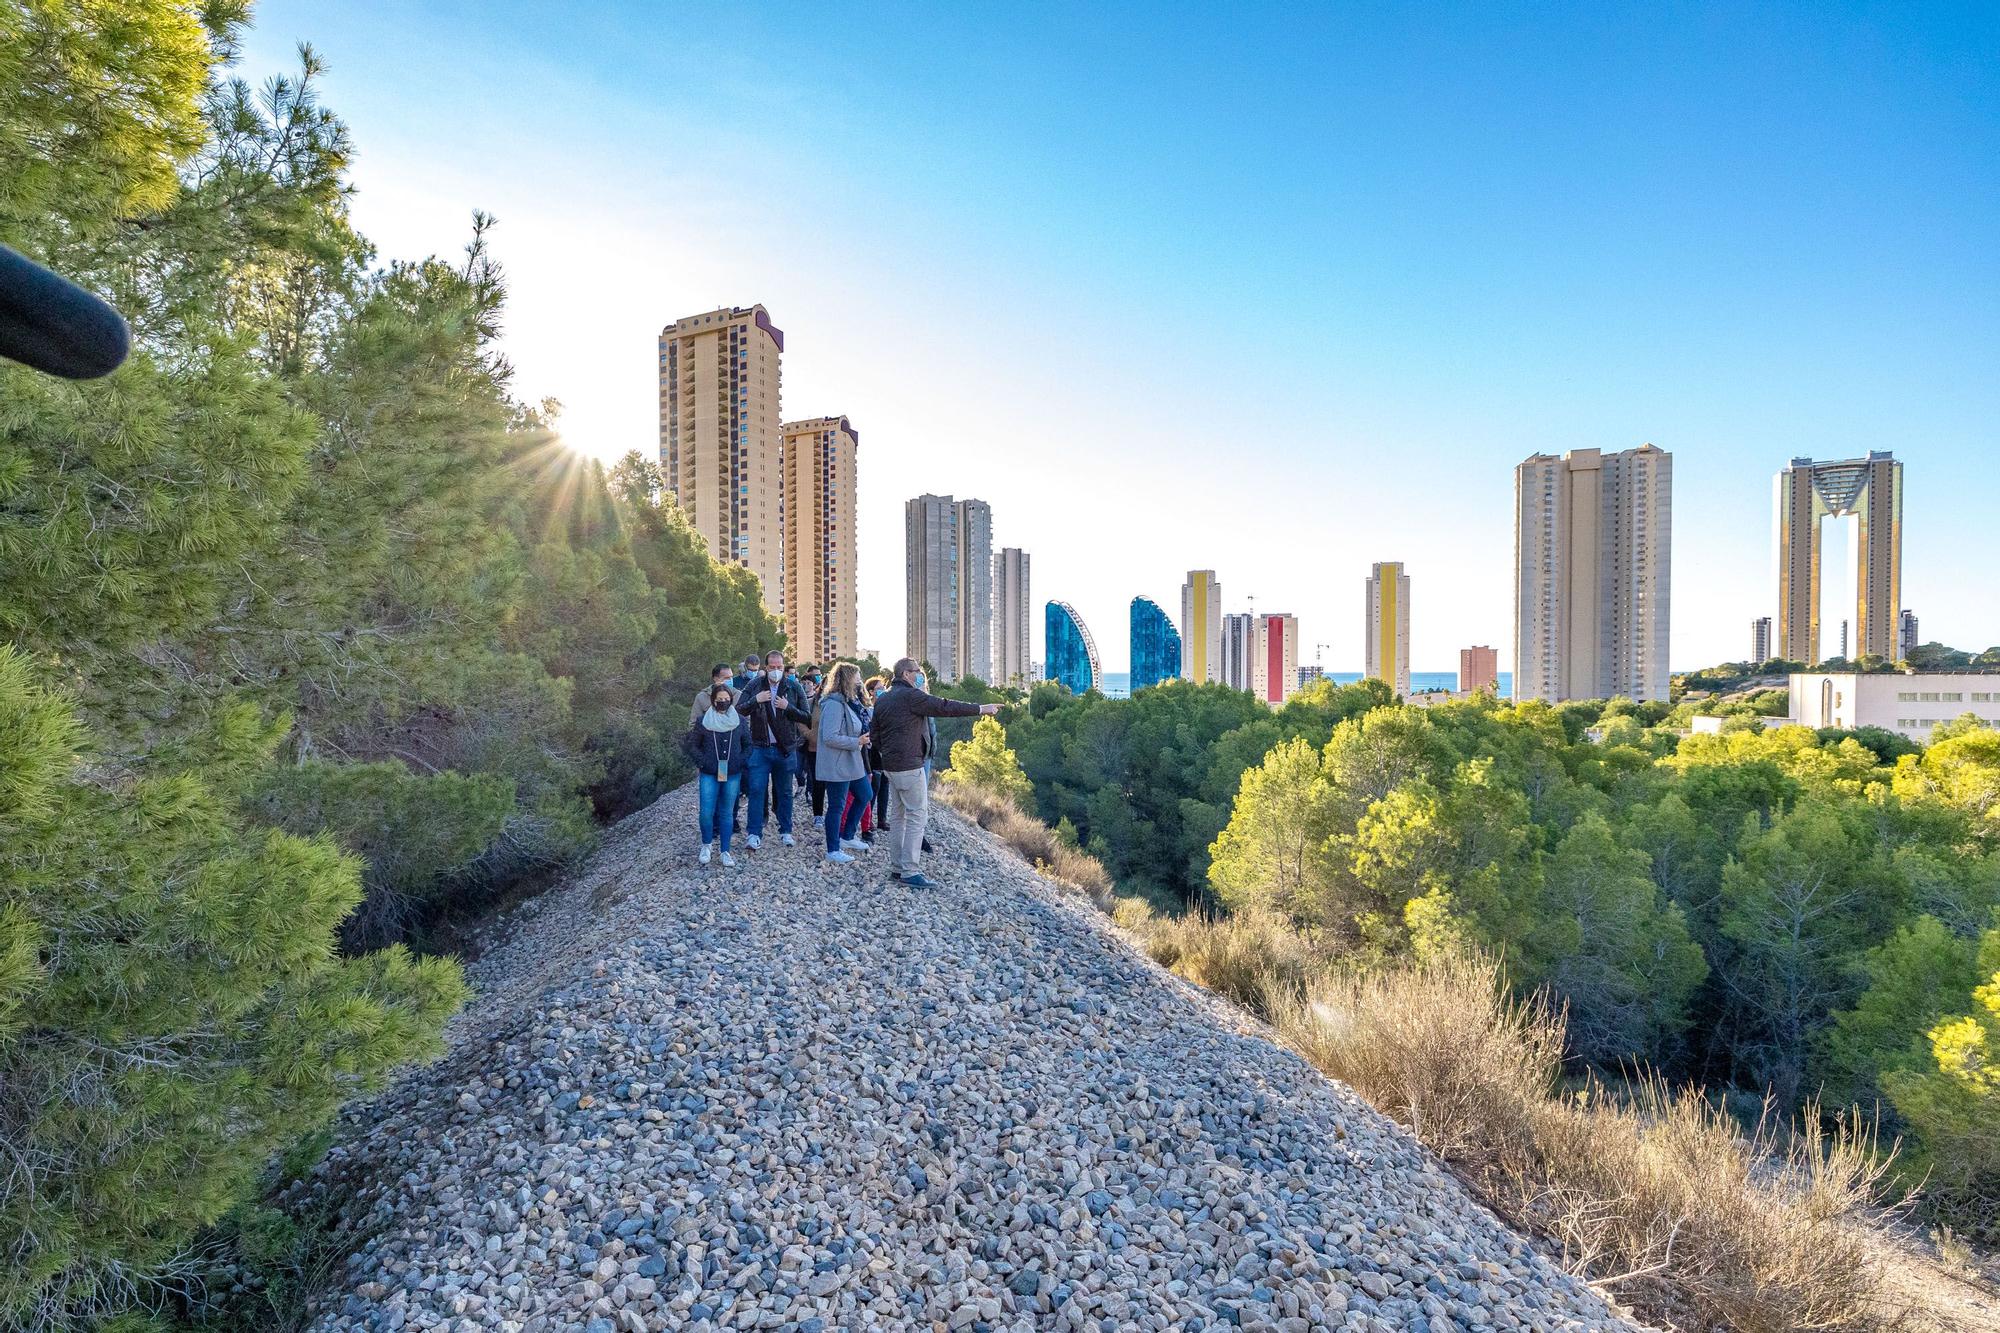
722	704
776	676
920	680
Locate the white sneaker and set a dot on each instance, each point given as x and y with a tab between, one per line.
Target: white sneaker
705	850
853	845
728	860
840	858
753	841
788	840
819	821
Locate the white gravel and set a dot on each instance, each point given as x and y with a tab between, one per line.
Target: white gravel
795	1096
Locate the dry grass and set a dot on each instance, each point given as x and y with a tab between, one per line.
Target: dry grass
1654	1195
1032	840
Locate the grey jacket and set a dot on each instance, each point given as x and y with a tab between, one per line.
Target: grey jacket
839	757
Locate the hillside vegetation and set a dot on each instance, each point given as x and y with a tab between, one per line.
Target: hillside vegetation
1766	912
309	635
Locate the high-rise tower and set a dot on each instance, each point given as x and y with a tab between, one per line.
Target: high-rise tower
1011	665
1387	634
1870	489
819	538
1274	673
1239	650
930	541
975	590
721	442
1156	645
1593	548
1201	627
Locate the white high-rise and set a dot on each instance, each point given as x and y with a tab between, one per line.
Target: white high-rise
1386	638
1593	551
975	589
1011	665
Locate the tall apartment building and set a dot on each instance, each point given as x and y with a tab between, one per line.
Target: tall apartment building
1907	637
819	538
1593	548
1275	672
1760	640
975	591
1806	494
1239	650
1843	641
1387	634
1478	669
1011	665
930	543
721	438
1201	627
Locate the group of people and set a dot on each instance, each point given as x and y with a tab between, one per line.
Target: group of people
862	750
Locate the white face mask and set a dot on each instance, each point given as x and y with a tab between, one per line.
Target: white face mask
776	675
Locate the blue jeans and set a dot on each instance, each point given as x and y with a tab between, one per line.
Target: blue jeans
766	763
717	798
836	801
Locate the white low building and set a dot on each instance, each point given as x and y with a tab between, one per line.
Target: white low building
1910	704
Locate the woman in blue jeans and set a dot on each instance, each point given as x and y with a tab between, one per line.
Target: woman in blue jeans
840	760
715	745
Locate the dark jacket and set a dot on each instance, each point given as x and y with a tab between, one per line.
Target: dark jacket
710	748
902	725
776	723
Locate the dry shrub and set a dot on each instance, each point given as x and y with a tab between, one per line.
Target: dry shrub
1253	959
1762	1232
1442	1046
1031	840
1658	1196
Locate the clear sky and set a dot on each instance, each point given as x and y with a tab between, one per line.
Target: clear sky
1275	291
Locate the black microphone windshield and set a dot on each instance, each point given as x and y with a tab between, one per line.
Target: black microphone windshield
50	323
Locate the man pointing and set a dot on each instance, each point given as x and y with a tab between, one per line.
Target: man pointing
902	731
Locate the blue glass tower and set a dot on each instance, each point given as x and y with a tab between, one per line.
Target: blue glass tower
1072	653
1156	645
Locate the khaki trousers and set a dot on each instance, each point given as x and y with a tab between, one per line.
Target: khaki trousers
909	811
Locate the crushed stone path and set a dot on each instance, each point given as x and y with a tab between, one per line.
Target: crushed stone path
798	1096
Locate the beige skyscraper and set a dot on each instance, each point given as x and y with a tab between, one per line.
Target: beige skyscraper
1011	665
930	530
1201	627
1274	676
1387	634
1593	548
721	442
975	589
819	538
1807	493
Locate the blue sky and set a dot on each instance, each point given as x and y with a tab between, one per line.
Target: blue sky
1273	293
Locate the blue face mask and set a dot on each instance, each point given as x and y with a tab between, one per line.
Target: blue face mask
921	682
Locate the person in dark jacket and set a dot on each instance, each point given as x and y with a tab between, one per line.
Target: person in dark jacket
903	736
774	709
715	744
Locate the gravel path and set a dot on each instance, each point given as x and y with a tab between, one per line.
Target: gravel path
794	1096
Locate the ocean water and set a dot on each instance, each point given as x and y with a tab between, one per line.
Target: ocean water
1118	684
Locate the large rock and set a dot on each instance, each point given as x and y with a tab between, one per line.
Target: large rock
798	1096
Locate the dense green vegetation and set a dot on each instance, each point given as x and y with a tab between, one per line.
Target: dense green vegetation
1767	908
309	634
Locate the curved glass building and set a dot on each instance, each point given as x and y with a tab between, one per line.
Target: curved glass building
1156	645
1072	653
